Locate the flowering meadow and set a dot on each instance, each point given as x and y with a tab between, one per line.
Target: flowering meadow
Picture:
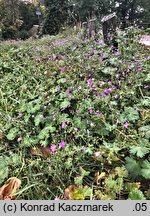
75	118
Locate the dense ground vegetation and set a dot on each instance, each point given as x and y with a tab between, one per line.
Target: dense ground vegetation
75	117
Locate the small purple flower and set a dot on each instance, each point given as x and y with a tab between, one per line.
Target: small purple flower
53	147
109	83
20	115
62	144
90	111
63	125
62	69
148	57
91	124
91	57
101	58
126	125
58	89
107	91
97	113
97	154
90	83
56	198
103	94
101	42
114	87
139	69
67	92
117	76
75	129
32	116
19	139
130	67
40	117
95	52
63	57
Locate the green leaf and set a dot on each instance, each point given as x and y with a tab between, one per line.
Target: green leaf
12	133
146	131
37	120
78	180
84	172
140	151
147	77
44	134
108	70
133	167
131	114
65	104
145	171
62	80
3	169
136	195
51	128
109	127
145	102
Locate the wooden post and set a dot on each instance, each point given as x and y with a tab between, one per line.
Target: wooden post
92	28
109	28
84	30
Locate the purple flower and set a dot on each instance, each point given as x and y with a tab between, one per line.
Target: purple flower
62	69
109	83
95	52
130	67
117	76
126	125
107	91
97	112
97	154
20	115
40	117
32	116
62	144
63	125
114	87
53	147
103	94
67	91
139	69
101	58
90	111
91	57
101	42
19	139
63	57
90	83
56	198
148	57
58	89
91	124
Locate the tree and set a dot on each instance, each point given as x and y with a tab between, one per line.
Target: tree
57	13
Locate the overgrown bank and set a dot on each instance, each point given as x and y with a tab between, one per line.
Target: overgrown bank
75	115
